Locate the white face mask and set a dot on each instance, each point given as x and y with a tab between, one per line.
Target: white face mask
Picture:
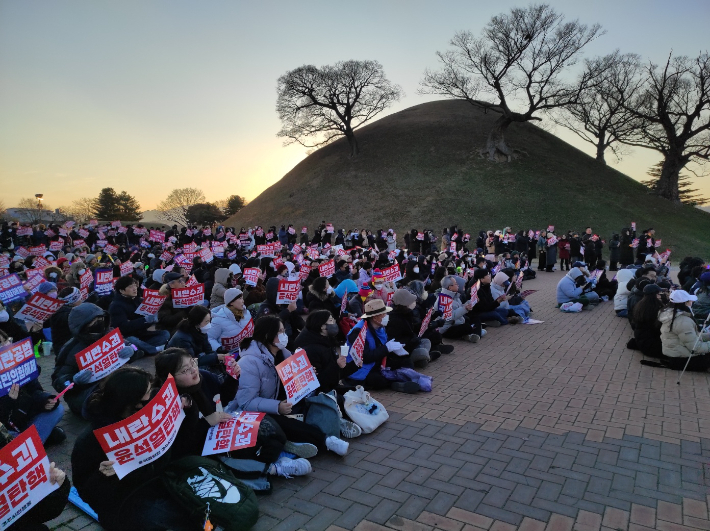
329	290
416	270
82	271
206	327
385	320
282	341
378	286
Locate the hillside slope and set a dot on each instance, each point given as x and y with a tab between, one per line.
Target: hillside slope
420	168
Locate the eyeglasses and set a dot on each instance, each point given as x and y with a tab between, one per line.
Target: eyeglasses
192	364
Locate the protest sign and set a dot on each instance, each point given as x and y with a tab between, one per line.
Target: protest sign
39	308
344	302
657	244
56	245
265	250
152	301
86	279
452	247
11	289
40	263
192	281
633	225
327	269
126	268
444	305
115	224
392	273
25	476
234	434
303	272
425	322
157	236
287	291
146	435
35	277
358	347
297	375
104	281
22	252
110	249
102	356
232	343
17	365
251	276
83	233
37	250
206	255
329	228
24	231
79	243
187	297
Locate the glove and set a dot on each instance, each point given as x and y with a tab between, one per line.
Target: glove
393	345
151	318
83	376
126	352
401	352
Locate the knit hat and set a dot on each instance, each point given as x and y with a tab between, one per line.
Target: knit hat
365	290
651	289
377	275
231	294
46	287
158	275
705	277
235	269
403	297
74	296
171	276
61	261
82	315
481	273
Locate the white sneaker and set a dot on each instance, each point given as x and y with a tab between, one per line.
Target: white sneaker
483	332
337	446
349	429
287	468
306	450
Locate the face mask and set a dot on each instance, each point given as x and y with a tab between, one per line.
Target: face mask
96	328
332	329
206	327
378	286
329	290
416	270
82	271
385	320
282	341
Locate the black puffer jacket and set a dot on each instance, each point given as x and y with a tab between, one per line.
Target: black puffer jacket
404	327
322	355
122	312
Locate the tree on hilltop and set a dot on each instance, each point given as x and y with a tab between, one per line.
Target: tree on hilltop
687	195
175	207
110	206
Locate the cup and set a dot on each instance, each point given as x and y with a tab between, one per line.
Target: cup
344	350
46	348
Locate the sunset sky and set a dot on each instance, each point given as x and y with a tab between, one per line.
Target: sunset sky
147	96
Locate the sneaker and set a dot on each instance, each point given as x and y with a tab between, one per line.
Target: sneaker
410	388
137	355
473	338
493	324
287	468
306	450
56	436
483	332
444	349
420	359
434	355
349	429
337	446
514	319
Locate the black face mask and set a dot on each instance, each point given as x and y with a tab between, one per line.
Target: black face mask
332	329
96	328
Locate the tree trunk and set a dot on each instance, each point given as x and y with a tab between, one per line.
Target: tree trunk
667	186
496	147
601	147
354	148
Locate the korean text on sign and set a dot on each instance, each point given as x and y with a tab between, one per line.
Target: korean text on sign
24	479
104	281
358	347
234	434
39	308
102	357
152	301
251	275
445	306
17	365
232	343
146	435
11	289
327	269
187	297
297	375
392	274
287	291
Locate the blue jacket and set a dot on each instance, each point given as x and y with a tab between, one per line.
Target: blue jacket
567	289
372	354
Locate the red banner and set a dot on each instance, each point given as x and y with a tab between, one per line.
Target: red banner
234	434
287	291
206	255
37	250
232	343
297	376
157	236
102	356
146	435
25	476
56	245
187	297
425	322
392	273
251	276
303	272
34	280
126	268
24	231
86	279
327	269
358	347
474	292
39	308
152	301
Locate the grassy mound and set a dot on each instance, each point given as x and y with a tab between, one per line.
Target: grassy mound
421	168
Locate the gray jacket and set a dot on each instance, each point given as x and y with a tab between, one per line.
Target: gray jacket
259	382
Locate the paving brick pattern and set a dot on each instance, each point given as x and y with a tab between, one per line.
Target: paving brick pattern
538	427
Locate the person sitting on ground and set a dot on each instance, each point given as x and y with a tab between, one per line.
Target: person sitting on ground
425	302
403	327
701	307
573	287
679	335
288	313
320	296
488	309
318	339
621	298
229	320
222	282
459	324
499	290
647	327
169	317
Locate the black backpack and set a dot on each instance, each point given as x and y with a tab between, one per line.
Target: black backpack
196	481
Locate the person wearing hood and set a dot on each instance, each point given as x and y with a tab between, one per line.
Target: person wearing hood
542	250
342	271
135	328
139	500
348	287
411	272
59	322
222	282
621	297
292	321
228	320
260	389
680	337
169	316
87	324
701	307
318	339
573	287
626	252
614	253
425	301
157	277
499	290
321	296
404	327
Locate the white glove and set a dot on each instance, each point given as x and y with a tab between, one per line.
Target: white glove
393	345
401	352
126	352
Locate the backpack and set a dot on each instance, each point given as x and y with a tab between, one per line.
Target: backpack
196	481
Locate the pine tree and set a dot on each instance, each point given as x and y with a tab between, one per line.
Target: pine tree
107	205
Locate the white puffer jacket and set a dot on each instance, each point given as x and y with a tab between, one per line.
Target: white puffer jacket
622	294
224	324
679	342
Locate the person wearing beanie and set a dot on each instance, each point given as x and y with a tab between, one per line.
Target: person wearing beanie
680	337
229	321
87	325
404	327
517	313
157	277
91	261
136	329
356	303
59	322
48	288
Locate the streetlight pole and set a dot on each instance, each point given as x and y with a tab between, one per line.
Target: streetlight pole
39	197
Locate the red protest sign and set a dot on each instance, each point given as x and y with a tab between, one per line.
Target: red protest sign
34	280
25	480
192	281
152	301
102	356
24	231
79	243
232	343
327	269
110	249
234	434
83	233
126	268
474	292
166	256
104	281
206	255
297	375
146	435
329	228
187	297
445	304
287	291
115	224
37	250
157	236
17	365
39	308
344	302
392	273
56	245
40	263
358	347
251	275
425	322
303	272
86	279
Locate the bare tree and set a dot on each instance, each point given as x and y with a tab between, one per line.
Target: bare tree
82	210
599	115
319	105
3	210
174	208
673	107
32	211
517	63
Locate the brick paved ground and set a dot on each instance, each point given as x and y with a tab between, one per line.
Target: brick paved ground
547	427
